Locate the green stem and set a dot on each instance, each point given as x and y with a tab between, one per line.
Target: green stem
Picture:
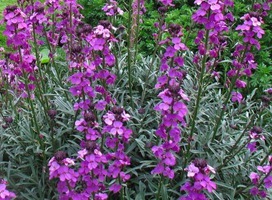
129	52
265	158
233	148
159	188
199	93
152	62
52	50
43	99
262	180
232	85
137	31
122	189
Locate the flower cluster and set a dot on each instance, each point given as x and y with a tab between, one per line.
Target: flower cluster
243	62
19	66
172	107
4	193
198	172
111	8
102	155
167	2
266	180
214	16
141	8
254	136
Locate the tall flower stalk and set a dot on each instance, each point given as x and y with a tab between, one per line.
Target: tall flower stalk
213	16
243	62
102	156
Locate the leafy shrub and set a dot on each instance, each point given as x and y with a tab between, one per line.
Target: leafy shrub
88	113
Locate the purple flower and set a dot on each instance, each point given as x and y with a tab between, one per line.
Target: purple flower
101	196
112	9
97	43
262	194
265	169
169	159
254	177
269	90
4	193
252	146
170	52
236	96
268	182
115	188
240	84
167	2
117	128
100	105
92	162
158	169
192	170
214	4
208	184
254	191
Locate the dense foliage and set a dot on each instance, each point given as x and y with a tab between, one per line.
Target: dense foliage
136	100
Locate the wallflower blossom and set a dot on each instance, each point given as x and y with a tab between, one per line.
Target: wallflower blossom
172	107
236	96
198	172
91	62
254	136
111	8
262	180
4	193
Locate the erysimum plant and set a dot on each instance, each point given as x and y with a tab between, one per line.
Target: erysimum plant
85	116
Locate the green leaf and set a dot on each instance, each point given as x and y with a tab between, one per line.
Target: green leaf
45	56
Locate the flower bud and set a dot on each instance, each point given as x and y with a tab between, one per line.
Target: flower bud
105	24
60	155
117	110
52	113
11	8
200	163
76	49
141	111
89	117
257	129
8	120
90	145
175	30
174	89
162	10
234	126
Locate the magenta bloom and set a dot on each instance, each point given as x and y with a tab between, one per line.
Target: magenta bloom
5	194
240	84
115	188
192	170
254	177
236	96
252	146
117	128
254	191
166	2
268	182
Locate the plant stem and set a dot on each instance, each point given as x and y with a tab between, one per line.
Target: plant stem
129	52
268	174
152	62
232	85
265	158
199	93
233	148
159	188
137	30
